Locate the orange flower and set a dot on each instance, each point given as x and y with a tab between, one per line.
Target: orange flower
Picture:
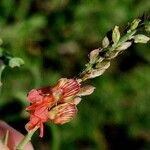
65	90
45	100
39	113
62	113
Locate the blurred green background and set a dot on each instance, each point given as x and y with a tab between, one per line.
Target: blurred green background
54	38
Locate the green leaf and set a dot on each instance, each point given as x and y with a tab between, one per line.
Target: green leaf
116	34
16	62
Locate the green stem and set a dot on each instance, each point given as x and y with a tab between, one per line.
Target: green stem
26	139
2	67
56	138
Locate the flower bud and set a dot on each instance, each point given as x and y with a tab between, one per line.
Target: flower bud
115	34
86	90
76	100
124	46
93	55
140	38
62	113
105	42
65	90
135	24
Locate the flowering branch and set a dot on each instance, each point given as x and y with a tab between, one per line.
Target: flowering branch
111	47
58	104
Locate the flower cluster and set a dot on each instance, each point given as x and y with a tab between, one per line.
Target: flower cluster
55	104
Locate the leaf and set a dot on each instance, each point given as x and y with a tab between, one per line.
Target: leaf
105	42
124	46
116	34
16	62
140	38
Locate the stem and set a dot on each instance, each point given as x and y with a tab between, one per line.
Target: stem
26	139
56	138
2	67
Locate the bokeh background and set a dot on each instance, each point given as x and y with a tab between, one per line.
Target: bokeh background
54	37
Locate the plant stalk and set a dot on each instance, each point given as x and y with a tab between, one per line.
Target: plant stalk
26	139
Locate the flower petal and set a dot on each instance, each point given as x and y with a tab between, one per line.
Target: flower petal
34	96
62	113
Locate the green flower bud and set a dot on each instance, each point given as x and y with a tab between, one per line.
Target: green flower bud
135	24
140	38
115	34
124	46
105	42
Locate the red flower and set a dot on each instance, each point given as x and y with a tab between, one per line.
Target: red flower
39	113
63	113
42	100
65	90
